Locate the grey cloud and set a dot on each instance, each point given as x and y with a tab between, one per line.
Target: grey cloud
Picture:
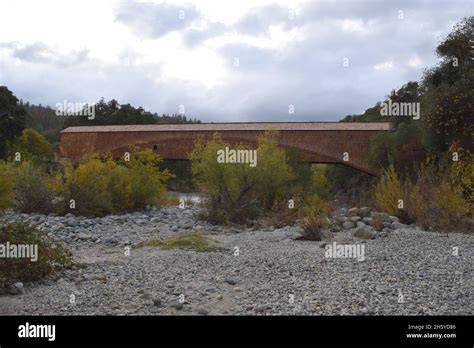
193	37
40	53
308	74
155	20
259	19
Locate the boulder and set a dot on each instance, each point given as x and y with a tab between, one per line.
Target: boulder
364	233
347	225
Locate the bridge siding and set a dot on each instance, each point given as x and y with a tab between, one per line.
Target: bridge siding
318	146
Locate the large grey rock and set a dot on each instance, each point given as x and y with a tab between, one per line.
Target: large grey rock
230	281
364	211
398	225
353	212
16	289
364	233
84	236
71	222
202	311
348	225
393	218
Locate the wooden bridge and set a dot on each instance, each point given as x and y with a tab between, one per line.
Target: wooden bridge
319	142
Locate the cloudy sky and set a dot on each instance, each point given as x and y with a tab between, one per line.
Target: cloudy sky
232	60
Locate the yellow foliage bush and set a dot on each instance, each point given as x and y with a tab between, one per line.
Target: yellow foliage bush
7	195
239	192
438	199
313	217
32	192
388	191
104	186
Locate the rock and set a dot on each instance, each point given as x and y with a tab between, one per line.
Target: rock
364	211
342	211
16	289
261	308
353	212
83	236
335	228
110	241
177	305
387	225
347	225
398	225
340	220
360	224
202	311
71	222
354	218
237	289
141	222
157	302
230	281
219	297
394	218
364	233
367	220
145	296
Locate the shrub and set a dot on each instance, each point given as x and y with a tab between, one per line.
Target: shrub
32	146
238	192
31	189
7	195
319	180
51	254
273	171
90	188
313	217
388	191
104	186
435	201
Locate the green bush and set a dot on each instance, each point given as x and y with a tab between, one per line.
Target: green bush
104	186
320	183
7	195
239	192
32	146
388	191
51	254
313	217
32	192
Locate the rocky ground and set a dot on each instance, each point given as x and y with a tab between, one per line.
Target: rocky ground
405	271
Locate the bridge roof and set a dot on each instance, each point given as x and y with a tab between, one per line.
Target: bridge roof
238	126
